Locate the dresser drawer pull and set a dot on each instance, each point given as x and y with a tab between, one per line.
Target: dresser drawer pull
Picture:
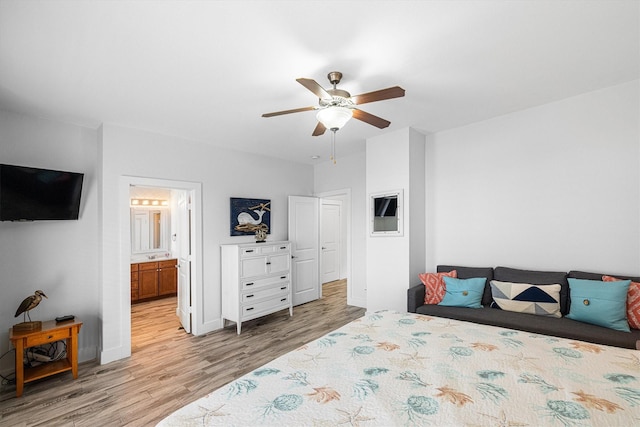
249	284
249	296
283	277
283	288
283	247
249	250
268	263
49	337
250	308
283	299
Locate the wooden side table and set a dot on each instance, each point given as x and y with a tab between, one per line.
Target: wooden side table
50	332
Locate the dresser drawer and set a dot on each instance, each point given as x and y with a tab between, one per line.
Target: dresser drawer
46	337
251	251
275	249
265	307
264	250
249	285
262	293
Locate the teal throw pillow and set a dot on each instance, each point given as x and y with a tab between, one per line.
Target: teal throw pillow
463	292
599	303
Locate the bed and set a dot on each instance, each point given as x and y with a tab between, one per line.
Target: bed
391	368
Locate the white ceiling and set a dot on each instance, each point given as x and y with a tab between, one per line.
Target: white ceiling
207	70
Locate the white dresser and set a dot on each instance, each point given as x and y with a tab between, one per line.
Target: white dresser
256	280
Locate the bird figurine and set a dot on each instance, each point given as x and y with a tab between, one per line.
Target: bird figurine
29	303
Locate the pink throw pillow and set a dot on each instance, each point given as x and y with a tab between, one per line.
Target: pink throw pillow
633	302
434	285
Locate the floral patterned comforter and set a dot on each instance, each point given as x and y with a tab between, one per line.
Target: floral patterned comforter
393	368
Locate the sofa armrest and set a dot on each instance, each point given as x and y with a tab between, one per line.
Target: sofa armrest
415	297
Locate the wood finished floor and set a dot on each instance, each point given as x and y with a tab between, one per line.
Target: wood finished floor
169	368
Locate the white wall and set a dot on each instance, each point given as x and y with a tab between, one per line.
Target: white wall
349	173
395	161
223	174
58	257
416	203
554	187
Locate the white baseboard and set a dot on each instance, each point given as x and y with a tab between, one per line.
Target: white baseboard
358	302
113	354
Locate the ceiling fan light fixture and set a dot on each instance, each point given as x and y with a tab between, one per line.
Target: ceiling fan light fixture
335	117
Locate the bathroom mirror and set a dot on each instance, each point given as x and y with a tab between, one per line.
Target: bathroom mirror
386	213
149	230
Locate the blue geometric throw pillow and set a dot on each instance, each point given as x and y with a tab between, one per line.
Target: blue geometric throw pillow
542	300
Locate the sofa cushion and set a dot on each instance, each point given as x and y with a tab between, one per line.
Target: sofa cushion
557	327
633	301
542	300
463	292
434	286
506	274
576	274
599	303
470	273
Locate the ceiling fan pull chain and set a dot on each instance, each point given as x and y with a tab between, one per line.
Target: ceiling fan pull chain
333	147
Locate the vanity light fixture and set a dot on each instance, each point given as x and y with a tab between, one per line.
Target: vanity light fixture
149	203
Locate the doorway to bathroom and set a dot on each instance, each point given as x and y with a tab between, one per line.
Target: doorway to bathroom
162	249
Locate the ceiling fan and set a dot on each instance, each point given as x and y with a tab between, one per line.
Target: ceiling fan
337	106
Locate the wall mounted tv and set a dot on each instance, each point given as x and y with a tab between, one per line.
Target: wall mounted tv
31	194
386	206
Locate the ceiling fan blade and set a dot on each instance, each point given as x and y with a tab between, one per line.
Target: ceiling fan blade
295	110
378	95
319	130
370	118
314	87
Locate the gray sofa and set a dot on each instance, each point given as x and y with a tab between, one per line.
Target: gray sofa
559	327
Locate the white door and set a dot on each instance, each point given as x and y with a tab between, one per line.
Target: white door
184	260
305	239
330	240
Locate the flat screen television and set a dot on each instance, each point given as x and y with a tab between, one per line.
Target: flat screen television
386	206
32	194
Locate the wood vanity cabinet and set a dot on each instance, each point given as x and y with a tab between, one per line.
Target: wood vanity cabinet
167	277
134	282
148	280
153	279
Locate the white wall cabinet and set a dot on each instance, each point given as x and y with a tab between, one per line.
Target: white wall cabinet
256	280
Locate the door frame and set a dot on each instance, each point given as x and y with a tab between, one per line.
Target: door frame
195	188
345	196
